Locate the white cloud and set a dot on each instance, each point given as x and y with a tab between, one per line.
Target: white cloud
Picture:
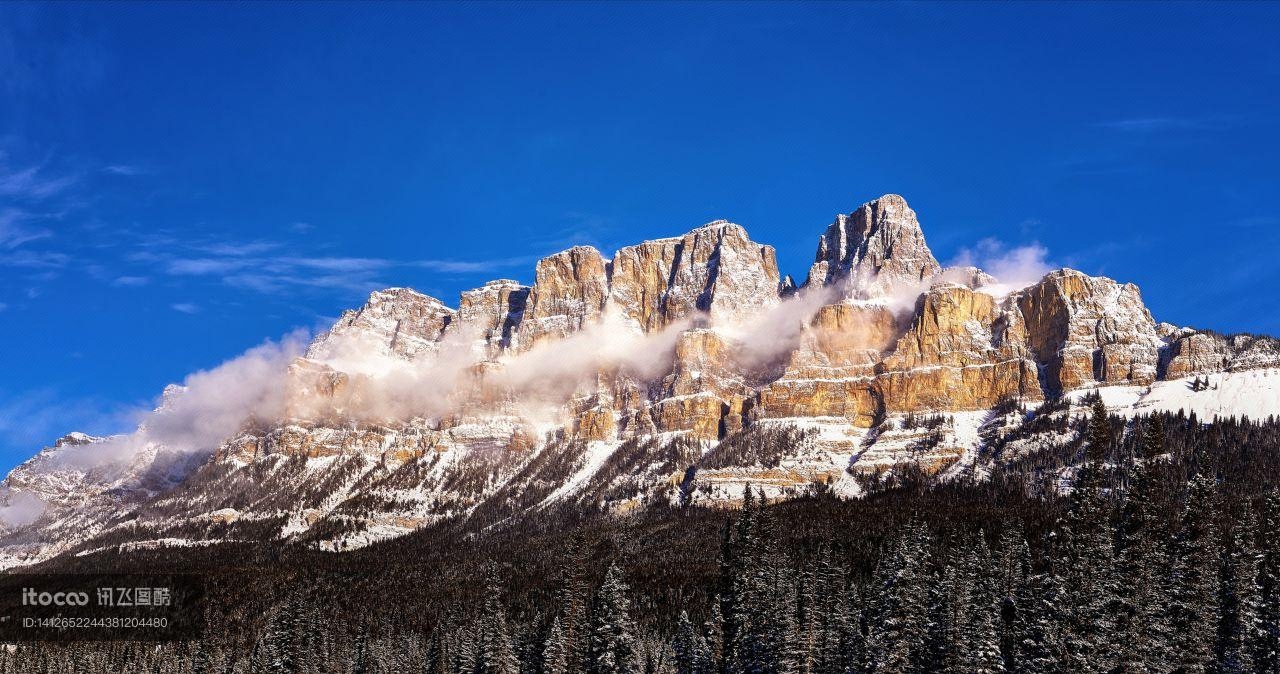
33	183
123	170
1013	268
209	407
13	231
185	307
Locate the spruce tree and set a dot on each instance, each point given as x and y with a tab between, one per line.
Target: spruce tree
981	633
899	615
1239	598
1042	648
495	652
1194	610
686	647
555	655
613	640
1266	640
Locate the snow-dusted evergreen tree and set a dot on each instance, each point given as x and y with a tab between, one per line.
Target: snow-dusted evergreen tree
656	657
980	634
713	639
1041	647
688	647
613	638
1011	574
899	612
1266	647
1142	629
495	651
800	650
1239	598
947	612
1092	602
573	598
555	654
737	565
1194	610
278	649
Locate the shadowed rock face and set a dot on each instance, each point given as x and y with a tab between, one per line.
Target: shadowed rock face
494	311
696	338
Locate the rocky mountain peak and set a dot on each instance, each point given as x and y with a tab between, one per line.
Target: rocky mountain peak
394	321
878	248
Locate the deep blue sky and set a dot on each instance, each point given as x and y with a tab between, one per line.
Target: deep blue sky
180	181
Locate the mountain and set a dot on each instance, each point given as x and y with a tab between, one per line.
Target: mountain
677	371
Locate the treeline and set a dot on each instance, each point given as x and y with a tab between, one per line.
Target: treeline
1140	546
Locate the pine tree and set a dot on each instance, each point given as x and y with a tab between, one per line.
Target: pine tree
1142	628
1266	639
555	655
1239	598
686	647
495	652
981	634
1092	602
573	598
1041	648
1194	610
613	640
1012	573
713	636
898	624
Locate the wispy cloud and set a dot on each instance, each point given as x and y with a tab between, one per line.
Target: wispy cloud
33	183
29	259
130	281
37	417
14	230
1013	267
1156	124
185	307
271	267
123	170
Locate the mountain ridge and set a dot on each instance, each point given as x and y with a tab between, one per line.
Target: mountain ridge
609	381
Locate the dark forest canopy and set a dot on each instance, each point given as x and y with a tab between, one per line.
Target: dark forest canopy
1161	557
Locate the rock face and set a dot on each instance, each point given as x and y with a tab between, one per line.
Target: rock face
879	248
1086	330
1196	353
663	373
569	292
714	272
495	311
963	351
396	321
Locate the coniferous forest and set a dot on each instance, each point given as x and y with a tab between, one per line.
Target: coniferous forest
1143	545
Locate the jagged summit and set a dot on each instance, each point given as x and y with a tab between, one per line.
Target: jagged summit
879	248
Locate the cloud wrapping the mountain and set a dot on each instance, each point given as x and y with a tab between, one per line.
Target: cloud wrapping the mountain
1014	268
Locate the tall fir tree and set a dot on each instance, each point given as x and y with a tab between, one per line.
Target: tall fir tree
495	650
1193	607
555	654
899	616
613	638
1239	598
1266	641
